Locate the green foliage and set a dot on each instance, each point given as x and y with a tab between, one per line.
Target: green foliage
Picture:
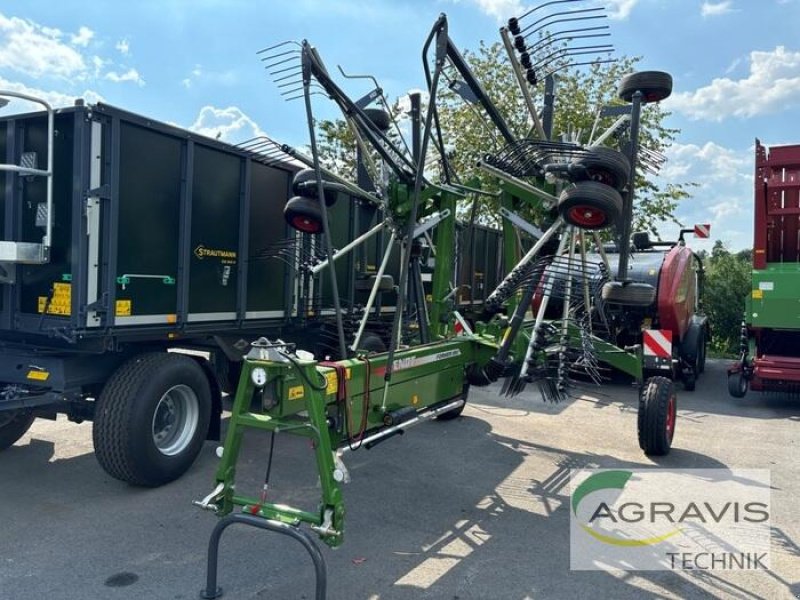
728	281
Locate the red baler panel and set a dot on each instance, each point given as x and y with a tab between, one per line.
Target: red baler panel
677	291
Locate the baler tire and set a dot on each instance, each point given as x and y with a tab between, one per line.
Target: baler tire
379	117
13	425
456	412
141	395
657	416
605	165
590	205
304	176
654	85
737	385
690	380
303	214
628	293
701	353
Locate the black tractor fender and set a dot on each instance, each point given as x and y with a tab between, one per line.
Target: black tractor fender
698	326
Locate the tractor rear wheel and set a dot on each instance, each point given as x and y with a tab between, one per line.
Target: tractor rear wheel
13	425
304	214
151	418
629	293
590	205
658	408
654	85
737	384
604	165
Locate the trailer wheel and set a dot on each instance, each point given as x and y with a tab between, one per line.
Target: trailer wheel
309	175
654	85
737	384
13	425
456	412
701	353
304	214
658	407
604	165
151	418
590	205
629	293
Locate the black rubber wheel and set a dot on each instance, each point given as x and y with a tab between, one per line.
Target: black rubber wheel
379	117
654	85
737	384
629	293
604	165
371	342
151	418
689	379
590	205
13	425
658	409
304	214
310	191
701	353
456	412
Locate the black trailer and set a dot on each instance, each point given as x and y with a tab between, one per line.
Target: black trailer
136	271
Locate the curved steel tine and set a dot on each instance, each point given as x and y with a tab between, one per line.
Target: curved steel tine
564	13
541	6
278	45
550	37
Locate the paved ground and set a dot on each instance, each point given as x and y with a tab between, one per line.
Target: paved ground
474	508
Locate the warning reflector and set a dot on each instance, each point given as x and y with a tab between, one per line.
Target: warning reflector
702	230
657	342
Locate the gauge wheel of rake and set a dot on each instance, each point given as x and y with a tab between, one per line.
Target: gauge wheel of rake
304	214
590	205
301	186
654	85
379	117
658	410
629	293
604	165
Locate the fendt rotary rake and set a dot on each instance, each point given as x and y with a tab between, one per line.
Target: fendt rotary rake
349	398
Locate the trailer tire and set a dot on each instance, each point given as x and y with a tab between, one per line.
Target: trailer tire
590	205
304	214
657	414
701	353
13	425
151	418
604	165
654	85
737	385
305	176
630	293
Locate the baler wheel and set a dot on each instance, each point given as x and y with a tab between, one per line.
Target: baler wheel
304	214
737	384
701	353
379	117
305	176
654	85
151	418
13	425
658	408
604	165
629	293
590	205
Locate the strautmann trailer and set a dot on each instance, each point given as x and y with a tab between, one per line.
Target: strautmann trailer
138	262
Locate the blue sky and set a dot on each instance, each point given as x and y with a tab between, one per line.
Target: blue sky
735	64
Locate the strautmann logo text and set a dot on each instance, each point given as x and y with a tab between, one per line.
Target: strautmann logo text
652	519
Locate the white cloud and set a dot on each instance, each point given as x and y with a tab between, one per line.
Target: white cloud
199	74
55	99
707	163
83	37
123	46
714	9
29	48
620	9
501	9
228	124
772	85
129	75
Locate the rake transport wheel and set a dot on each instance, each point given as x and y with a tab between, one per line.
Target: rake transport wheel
379	117
151	418
13	425
604	165
658	408
456	412
590	205
737	384
308	176
628	293
304	214
654	85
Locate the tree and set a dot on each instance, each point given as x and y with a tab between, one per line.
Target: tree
579	95
728	282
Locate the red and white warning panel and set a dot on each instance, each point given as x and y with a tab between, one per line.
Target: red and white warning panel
657	342
702	230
